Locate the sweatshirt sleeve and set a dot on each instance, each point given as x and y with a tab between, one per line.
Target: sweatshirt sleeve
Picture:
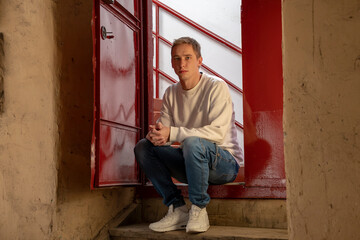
166	111
219	118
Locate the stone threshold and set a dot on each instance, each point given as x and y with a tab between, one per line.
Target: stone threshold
141	231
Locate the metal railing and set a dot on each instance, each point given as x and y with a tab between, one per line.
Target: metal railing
198	27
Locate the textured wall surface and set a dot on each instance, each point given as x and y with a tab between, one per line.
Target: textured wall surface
27	124
46	124
322	117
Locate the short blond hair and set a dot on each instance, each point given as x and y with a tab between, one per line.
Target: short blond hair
188	40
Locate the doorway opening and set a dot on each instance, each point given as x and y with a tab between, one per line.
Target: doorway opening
244	49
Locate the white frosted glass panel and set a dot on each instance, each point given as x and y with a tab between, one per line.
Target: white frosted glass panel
223	60
238	104
163	85
154	82
219	16
165	60
240	138
128	5
153	18
154	56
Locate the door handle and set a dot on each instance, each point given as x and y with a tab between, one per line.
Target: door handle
105	34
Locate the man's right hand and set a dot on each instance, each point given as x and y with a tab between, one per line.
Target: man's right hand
158	134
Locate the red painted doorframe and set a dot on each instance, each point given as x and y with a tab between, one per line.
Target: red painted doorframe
262	67
262	85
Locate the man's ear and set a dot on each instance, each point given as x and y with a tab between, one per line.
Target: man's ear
200	59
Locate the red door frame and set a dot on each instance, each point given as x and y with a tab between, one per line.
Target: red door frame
261	31
262	79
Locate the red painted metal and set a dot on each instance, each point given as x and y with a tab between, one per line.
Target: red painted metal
94	140
263	98
146	88
157	34
116	163
123	13
148	50
118	74
198	27
167	76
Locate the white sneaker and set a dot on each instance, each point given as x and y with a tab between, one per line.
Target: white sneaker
173	220
198	220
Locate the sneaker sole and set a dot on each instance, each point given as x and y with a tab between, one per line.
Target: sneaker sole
197	230
180	226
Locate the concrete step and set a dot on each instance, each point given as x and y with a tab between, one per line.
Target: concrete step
252	213
142	232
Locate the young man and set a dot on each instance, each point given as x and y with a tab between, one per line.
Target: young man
198	113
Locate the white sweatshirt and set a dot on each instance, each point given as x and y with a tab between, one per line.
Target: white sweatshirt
205	111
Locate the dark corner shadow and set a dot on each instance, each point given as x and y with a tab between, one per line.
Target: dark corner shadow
74	92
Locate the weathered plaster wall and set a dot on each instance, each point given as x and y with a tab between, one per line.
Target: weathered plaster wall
27	124
46	124
322	117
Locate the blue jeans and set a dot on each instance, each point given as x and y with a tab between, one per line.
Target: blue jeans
198	163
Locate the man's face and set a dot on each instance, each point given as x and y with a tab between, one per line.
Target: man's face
185	63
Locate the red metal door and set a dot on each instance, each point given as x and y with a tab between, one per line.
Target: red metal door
119	79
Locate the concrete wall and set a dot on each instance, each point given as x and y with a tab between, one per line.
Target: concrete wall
322	117
46	124
28	127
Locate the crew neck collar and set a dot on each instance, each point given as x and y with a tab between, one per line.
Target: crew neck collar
192	90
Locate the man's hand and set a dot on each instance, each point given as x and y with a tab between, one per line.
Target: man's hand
158	134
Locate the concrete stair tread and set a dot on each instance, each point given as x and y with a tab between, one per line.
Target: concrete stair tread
142	231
